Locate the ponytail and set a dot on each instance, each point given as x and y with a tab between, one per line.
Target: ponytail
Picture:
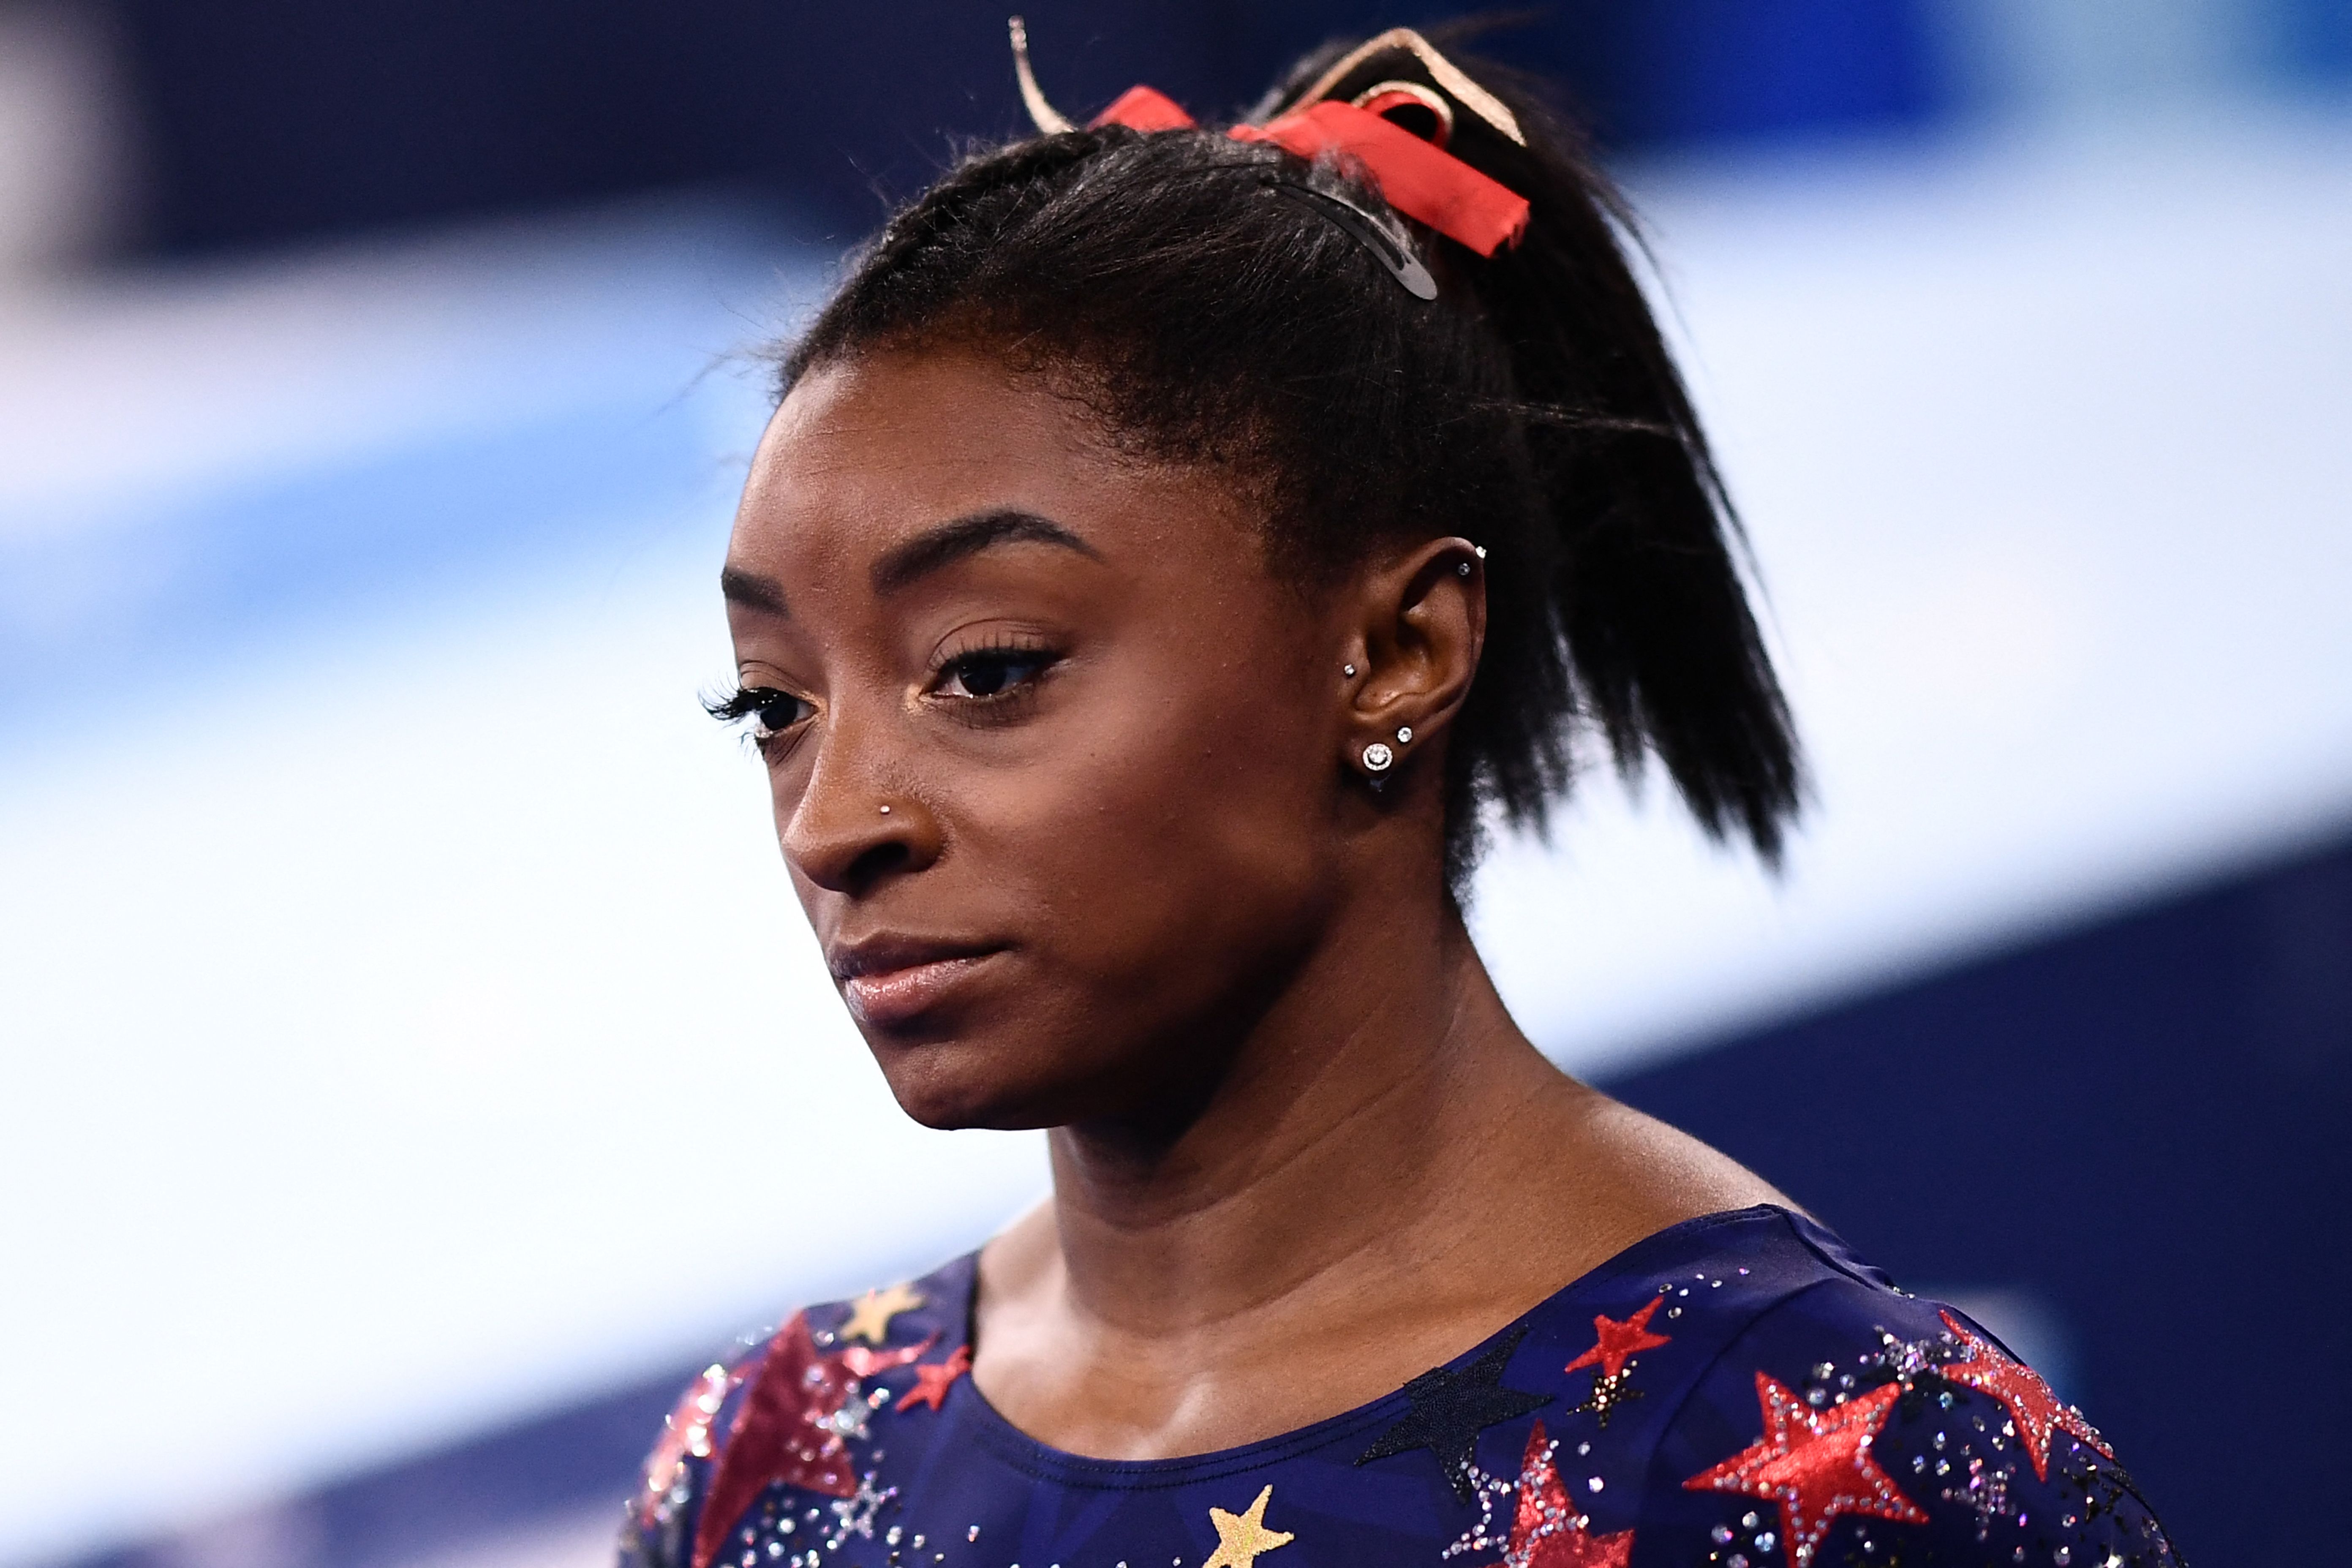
1532	405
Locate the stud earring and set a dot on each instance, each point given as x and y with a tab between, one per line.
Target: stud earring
1377	757
886	811
1462	569
1404	734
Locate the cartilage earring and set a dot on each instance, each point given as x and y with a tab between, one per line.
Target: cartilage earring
1462	568
1377	757
1404	734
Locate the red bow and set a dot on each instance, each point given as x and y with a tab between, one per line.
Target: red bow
1425	184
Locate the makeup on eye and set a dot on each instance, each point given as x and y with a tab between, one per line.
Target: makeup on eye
990	674
994	672
770	710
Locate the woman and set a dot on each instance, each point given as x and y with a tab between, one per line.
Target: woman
1170	547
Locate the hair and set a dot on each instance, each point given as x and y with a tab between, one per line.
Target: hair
1531	407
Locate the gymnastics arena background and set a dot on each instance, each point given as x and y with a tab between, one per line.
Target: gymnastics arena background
414	1061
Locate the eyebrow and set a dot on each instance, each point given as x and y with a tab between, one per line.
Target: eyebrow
750	589
936	548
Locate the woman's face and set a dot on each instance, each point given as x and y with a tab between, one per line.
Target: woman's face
1057	763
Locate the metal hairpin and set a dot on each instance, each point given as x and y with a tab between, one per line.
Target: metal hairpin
1442	71
1386	238
1048	119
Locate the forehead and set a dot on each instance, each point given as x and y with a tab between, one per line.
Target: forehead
924	421
866	452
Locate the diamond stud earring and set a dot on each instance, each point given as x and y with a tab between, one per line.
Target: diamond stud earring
1377	757
1404	734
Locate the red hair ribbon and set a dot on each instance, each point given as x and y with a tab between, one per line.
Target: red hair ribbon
1424	183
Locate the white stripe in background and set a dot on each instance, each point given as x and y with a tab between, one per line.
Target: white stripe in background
2044	458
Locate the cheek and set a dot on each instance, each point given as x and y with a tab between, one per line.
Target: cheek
1173	841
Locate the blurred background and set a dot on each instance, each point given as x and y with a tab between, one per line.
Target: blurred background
414	1061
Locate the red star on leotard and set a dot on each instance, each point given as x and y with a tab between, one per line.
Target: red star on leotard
1618	1342
781	1431
1815	1463
1546	1529
931	1382
2037	1412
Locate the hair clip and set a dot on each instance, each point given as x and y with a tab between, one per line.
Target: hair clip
1442	71
1417	177
1387	240
1387	99
1047	119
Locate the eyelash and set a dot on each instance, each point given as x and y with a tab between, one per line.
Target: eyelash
756	702
1002	653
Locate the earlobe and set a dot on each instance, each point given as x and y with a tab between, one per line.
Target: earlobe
1425	621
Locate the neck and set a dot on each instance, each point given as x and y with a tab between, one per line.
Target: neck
1380	1173
1386	1086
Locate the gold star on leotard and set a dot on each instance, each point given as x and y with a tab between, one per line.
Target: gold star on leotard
869	1320
1241	1537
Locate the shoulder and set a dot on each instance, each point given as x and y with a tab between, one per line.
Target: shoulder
787	1407
1822	1411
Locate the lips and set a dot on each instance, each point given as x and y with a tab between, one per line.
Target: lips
889	980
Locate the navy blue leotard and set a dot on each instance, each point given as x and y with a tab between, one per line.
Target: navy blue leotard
1739	1391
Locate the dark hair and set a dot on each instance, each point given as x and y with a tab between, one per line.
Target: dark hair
1531	407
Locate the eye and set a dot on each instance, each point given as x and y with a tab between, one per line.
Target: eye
771	711
777	711
992	672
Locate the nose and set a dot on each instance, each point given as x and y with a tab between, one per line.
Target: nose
849	831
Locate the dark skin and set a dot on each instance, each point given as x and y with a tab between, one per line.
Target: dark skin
1133	886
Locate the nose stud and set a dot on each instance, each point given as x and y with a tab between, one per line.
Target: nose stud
1348	670
886	811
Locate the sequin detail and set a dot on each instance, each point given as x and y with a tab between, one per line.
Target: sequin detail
2038	1413
790	1428
1615	1345
1815	1463
932	1381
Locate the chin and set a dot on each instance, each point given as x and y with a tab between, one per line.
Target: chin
949	1085
1006	1079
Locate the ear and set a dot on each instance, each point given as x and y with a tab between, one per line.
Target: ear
1420	623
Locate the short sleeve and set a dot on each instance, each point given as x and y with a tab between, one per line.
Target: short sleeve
1851	1424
